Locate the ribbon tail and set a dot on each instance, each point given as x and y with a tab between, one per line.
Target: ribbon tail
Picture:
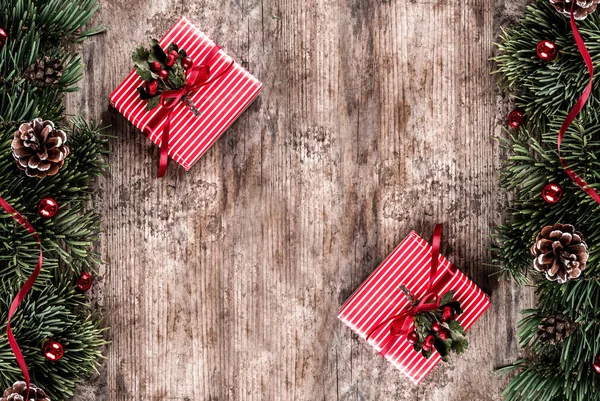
164	147
22	292
576	109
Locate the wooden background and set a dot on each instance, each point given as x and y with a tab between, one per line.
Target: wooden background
376	117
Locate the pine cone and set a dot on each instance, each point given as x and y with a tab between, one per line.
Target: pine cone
581	7
44	72
555	329
18	392
39	148
560	252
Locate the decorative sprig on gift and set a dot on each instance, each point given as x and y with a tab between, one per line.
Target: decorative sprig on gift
161	71
439	329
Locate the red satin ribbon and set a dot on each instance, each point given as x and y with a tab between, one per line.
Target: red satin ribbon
400	323
23	291
198	77
576	109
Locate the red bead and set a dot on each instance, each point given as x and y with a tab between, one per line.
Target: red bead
412	337
152	87
53	350
187	62
596	365
429	340
47	208
552	193
164	74
546	50
170	60
3	37
155	66
84	282
443	335
436	327
447	313
174	53
516	118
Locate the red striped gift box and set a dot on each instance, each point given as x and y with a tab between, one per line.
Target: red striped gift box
220	103
380	297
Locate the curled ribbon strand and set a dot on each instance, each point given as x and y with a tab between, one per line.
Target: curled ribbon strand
576	109
400	323
23	291
198	77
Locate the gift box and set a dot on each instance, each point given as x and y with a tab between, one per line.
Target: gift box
219	103
380	297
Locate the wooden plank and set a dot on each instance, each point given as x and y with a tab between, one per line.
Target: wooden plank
223	283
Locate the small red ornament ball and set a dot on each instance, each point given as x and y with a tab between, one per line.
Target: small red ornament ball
596	365
53	350
171	60
152	87
428	343
516	118
84	282
47	208
436	327
187	63
413	337
164	74
546	50
174	53
447	313
444	335
155	66
3	37
552	193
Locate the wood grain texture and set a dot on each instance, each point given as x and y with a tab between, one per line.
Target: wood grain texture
376	117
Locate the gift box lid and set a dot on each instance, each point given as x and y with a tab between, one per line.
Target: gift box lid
380	297
219	103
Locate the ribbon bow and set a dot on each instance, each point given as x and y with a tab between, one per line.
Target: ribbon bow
23	291
399	324
198	76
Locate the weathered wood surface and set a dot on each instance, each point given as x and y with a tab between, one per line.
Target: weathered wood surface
376	117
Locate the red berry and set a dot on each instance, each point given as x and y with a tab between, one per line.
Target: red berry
447	313
174	53
436	327
164	74
429	340
413	337
152	87
170	60
155	66
187	62
444	334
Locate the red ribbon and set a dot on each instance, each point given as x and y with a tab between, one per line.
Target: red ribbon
23	291
576	109
400	323
198	77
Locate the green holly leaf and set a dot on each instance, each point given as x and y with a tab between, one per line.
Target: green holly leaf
177	76
426	354
140	56
443	347
172	46
460	345
455	327
446	298
157	51
152	102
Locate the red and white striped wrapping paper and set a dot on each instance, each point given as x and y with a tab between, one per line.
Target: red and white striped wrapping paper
380	297
220	103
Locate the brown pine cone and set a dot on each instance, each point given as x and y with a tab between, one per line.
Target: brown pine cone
18	392
39	148
560	252
44	72
555	329
581	7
